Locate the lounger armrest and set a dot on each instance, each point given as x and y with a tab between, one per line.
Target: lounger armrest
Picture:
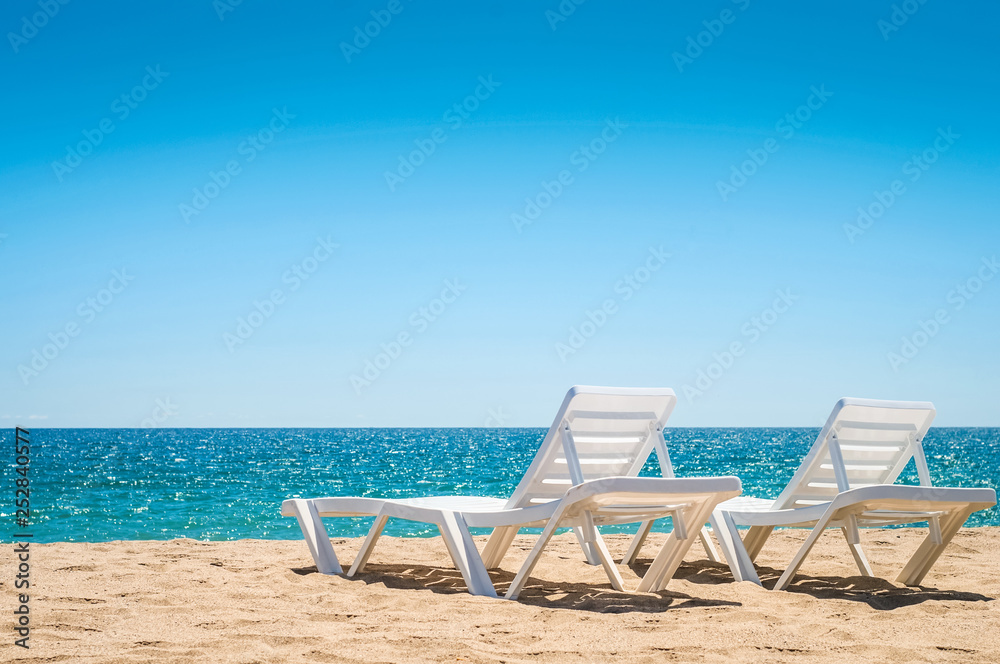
933	496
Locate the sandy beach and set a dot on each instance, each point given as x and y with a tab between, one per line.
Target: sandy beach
262	601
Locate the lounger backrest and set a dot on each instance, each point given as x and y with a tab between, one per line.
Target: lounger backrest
864	442
598	432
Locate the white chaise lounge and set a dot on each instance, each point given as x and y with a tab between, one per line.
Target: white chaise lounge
583	475
846	481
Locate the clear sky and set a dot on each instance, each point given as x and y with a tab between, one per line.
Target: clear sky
220	214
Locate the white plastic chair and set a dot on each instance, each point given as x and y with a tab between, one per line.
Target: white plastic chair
598	433
611	500
846	482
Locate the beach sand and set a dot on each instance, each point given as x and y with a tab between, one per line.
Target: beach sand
262	601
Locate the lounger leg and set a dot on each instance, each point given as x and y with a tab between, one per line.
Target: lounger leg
589	552
853	538
603	554
934	526
706	541
929	551
740	563
793	566
496	547
650	581
640	539
651	578
465	555
670	555
637	542
755	539
861	560
700	517
529	563
368	545
316	537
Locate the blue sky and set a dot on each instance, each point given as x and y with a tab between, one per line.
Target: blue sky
490	202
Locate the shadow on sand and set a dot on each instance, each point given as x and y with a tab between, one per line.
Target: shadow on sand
878	593
599	598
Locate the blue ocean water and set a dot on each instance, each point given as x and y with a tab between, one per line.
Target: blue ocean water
91	485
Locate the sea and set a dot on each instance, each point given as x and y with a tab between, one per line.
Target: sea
97	485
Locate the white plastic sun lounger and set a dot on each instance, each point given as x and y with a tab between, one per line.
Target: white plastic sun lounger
846	481
599	433
611	500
